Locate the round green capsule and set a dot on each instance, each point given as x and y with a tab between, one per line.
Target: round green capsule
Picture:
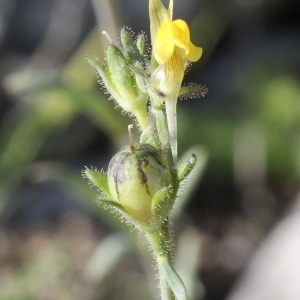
134	175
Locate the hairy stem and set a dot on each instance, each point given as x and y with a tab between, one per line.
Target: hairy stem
170	283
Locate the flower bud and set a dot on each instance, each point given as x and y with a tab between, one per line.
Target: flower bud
119	80
130	47
135	175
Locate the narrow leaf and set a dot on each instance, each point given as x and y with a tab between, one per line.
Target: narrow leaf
174	281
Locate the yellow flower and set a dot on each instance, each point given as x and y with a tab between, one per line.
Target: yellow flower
172	48
172	35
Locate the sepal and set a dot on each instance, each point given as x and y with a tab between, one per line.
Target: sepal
120	211
162	204
121	77
105	77
98	179
141	43
184	169
193	91
141	77
130	48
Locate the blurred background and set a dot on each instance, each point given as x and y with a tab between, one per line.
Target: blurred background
238	217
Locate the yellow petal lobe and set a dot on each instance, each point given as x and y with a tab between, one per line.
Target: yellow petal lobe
173	34
194	53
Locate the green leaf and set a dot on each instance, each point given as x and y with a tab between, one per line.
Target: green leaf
174	281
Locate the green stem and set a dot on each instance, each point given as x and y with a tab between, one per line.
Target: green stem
170	283
160	242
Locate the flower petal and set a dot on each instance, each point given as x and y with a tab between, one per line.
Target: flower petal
182	31
194	53
164	43
164	52
158	14
173	34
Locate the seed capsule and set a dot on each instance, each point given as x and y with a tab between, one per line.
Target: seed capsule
134	175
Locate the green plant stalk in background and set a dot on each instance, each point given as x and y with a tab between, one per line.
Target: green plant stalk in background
142	180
